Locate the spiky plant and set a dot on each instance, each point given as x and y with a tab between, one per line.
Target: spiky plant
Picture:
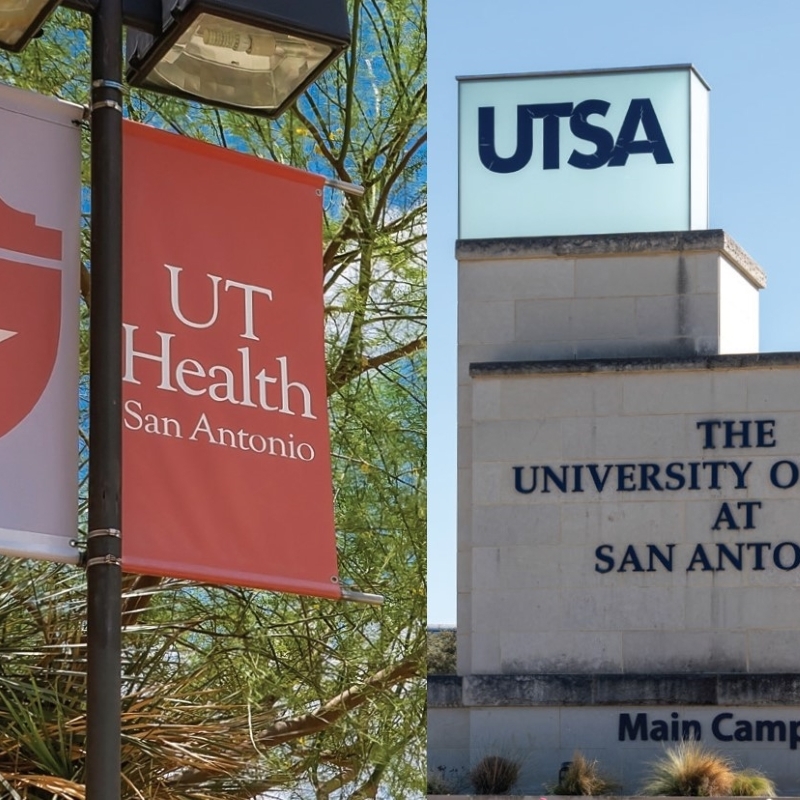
180	738
205	708
691	770
494	775
583	777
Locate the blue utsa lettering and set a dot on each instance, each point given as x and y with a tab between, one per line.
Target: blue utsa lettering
608	151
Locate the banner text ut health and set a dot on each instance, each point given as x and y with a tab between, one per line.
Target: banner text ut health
226	453
268	389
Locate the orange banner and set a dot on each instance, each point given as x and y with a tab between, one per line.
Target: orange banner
226	450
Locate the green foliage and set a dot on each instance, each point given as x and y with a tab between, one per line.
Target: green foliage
494	775
441	652
238	693
583	777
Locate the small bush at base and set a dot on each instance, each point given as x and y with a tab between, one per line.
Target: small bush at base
749	783
583	777
438	785
691	770
494	775
445	781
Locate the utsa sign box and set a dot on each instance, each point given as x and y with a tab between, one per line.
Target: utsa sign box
614	151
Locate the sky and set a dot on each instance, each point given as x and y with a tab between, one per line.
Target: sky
748	52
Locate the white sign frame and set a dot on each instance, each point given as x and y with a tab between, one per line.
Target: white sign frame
529	200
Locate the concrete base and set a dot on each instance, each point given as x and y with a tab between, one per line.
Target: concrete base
625	722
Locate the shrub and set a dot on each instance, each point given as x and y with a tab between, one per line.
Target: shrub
438	785
442	652
691	770
494	775
583	777
750	783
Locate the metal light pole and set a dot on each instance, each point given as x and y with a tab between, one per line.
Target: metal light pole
103	564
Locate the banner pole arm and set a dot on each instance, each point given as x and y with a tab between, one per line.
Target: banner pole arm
363	597
344	186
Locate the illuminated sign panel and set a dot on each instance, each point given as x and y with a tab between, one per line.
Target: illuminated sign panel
615	151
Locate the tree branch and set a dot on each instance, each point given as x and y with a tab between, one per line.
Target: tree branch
339	378
286	730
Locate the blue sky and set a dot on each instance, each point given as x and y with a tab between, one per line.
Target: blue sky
748	52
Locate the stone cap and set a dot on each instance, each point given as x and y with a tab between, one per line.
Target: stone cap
594	365
617	244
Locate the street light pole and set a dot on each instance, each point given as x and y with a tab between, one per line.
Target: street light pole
104	571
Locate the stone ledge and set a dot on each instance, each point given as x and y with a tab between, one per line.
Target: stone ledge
592	365
722	689
619	244
444	691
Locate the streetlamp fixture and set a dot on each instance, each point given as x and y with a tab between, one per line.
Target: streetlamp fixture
253	55
20	21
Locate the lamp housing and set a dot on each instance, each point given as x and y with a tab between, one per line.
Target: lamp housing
21	20
249	55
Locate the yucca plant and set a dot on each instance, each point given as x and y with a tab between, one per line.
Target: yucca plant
691	770
179	739
206	712
583	777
